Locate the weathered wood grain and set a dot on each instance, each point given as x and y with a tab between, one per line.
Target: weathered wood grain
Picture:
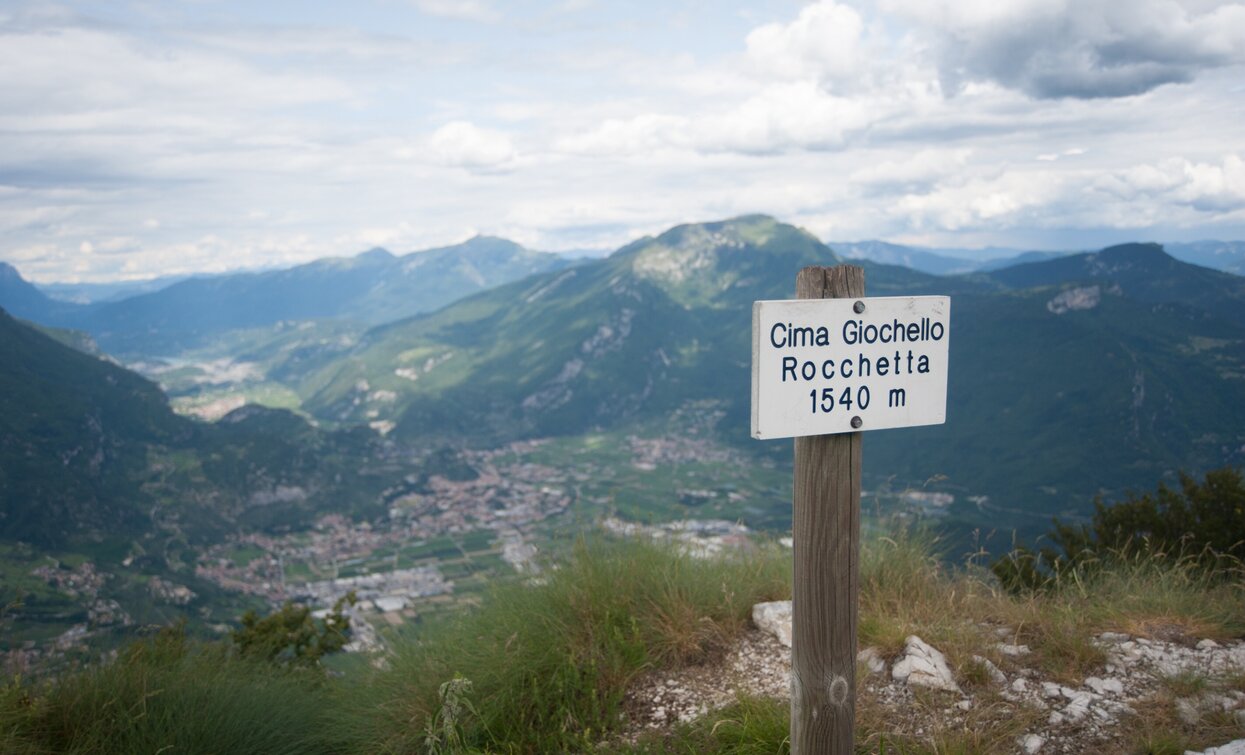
826	531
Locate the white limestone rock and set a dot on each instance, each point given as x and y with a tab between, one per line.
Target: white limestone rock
1014	651
924	666
1235	747
1077	708
872	660
1075	298
1105	686
774	617
996	676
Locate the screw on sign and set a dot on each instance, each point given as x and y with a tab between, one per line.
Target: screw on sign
825	366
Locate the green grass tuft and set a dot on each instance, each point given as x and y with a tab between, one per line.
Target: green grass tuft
168	695
749	726
545	667
548	664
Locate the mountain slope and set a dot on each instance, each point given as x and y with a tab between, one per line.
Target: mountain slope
1047	405
1140	271
109	502
582	348
90	451
74	433
1023	258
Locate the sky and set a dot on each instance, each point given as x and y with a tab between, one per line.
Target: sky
153	137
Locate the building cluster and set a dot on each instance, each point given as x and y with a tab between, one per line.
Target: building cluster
82	581
700	538
649	454
383	591
508	498
439	532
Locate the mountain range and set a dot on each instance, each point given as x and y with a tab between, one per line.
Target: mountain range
1225	256
370	288
1127	356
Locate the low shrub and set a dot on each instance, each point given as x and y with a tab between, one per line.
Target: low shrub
1202	523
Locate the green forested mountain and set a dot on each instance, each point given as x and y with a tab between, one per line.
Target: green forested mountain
74	434
91	452
1142	272
1067	377
1047	407
657	324
108	500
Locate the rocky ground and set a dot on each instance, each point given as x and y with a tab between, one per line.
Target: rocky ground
1145	681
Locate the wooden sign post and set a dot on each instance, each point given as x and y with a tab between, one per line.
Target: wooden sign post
825	526
827	366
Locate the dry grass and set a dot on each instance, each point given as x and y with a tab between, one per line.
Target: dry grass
926	723
1158	728
906	590
548	665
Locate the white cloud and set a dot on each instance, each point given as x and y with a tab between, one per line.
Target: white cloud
823	42
1011	199
259	140
1174	193
466	10
86	71
913	173
643	133
465	145
797	115
782	117
1205	187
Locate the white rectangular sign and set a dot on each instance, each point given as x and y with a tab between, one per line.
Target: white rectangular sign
823	366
